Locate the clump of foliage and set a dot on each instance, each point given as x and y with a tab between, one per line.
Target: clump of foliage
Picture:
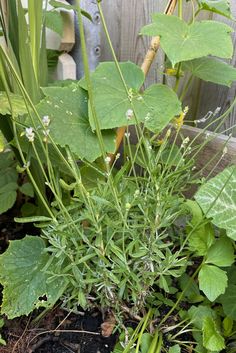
118	230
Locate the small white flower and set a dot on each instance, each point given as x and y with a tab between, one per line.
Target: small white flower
185	142
46	120
117	156
129	114
26	165
216	112
29	132
127	134
186	109
107	160
225	150
46	132
188	149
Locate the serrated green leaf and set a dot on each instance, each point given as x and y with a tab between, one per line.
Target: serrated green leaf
156	106
27	189
222	7
217	199
181	41
212	281
23	279
228	301
7	200
212	339
197	315
53	21
221	253
17	102
67	109
212	70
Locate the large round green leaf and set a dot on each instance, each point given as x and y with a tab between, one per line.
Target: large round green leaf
67	107
181	41
117	105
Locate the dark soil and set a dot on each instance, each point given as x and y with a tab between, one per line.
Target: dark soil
57	331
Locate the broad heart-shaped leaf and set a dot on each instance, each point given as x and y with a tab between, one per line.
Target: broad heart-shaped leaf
228	301
212	70
17	101
67	109
212	339
222	7
221	253
156	106
217	199
212	281
181	41
25	284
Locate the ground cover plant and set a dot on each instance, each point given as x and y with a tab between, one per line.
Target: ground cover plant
117	230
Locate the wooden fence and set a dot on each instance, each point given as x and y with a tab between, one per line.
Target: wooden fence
125	18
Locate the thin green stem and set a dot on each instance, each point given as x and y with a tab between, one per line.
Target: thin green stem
181	295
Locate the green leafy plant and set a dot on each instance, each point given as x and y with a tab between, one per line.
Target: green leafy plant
119	230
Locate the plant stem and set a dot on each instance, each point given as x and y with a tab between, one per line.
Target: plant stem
181	295
180	9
